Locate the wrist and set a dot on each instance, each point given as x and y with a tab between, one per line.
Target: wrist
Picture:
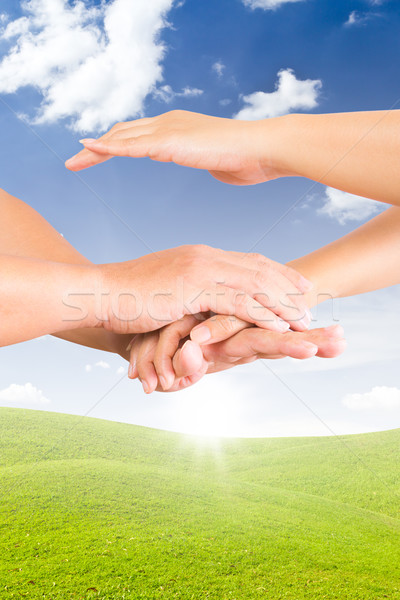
90	282
276	139
322	290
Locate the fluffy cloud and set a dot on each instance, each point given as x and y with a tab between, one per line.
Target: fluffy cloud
380	397
290	94
267	4
346	207
23	394
92	65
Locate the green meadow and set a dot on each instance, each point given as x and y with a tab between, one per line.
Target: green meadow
95	509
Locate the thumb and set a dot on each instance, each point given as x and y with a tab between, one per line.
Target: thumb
188	360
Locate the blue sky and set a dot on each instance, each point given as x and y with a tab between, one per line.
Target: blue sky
352	49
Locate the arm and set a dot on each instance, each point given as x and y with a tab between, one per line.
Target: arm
364	260
357	152
25	233
133	296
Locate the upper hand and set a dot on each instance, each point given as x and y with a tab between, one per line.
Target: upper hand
146	294
236	152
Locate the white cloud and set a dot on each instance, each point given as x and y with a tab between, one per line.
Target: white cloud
23	394
267	4
121	370
92	65
380	397
165	93
218	68
346	207
225	101
356	18
290	94
353	19
101	365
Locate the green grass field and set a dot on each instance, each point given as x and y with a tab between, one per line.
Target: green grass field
94	509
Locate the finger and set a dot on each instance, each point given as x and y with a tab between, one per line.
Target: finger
168	343
260	261
84	159
134	349
254	342
270	288
133	146
188	360
227	301
286	302
87	158
278	292
290	302
146	371
330	341
182	383
217	328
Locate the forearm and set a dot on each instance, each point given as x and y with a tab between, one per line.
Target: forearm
25	233
356	152
362	261
39	297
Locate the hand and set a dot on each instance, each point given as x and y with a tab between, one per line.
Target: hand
167	360
145	294
236	152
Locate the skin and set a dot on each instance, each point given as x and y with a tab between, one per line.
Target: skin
361	156
42	292
25	233
371	255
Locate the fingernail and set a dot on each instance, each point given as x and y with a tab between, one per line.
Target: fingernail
200	334
283	326
146	387
337	329
310	347
131	370
129	346
306	284
164	382
305	322
87	141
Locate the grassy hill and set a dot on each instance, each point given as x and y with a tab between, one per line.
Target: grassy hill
94	509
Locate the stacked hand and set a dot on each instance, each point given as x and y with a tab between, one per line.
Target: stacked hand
147	293
171	359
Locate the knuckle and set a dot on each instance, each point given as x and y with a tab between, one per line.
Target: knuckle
226	325
258	258
241	300
195	255
201	249
261	279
